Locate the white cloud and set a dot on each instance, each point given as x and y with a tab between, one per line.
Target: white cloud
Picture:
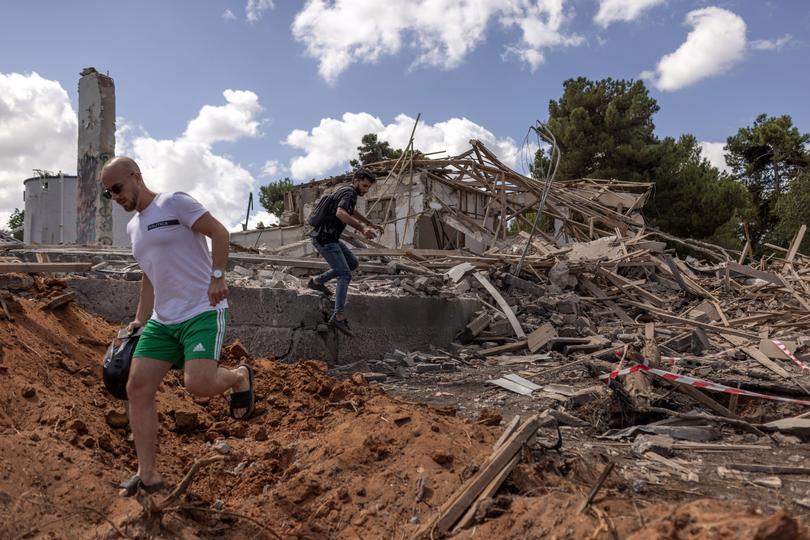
228	15
38	129
334	142
228	122
715	44
713	151
271	167
189	163
611	11
254	9
339	33
771	45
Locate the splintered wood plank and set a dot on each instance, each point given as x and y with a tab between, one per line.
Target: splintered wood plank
510	315
769	348
594	289
509	347
460	501
706	326
794	247
458	272
628	286
541	337
60	300
754	273
763	359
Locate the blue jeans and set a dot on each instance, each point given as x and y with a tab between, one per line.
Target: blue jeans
341	263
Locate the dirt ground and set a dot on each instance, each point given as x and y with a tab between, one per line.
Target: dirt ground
324	458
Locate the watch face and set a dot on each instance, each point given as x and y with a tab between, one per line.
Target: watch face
216	274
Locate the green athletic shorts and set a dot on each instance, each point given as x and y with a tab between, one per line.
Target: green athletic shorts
198	337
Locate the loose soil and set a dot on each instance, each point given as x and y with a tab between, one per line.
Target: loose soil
322	458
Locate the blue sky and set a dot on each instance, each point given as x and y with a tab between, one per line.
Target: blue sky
485	70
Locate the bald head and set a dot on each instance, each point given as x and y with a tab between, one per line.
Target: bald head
119	166
122	181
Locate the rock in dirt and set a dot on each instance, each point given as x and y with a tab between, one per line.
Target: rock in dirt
186	421
489	417
116	419
223	448
78	426
442	458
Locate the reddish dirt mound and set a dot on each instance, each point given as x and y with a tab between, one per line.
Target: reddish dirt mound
321	459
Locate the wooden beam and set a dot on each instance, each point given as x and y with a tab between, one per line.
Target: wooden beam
60	300
33	268
593	289
509	347
763	359
458	504
753	272
625	284
540	337
794	247
510	315
689	322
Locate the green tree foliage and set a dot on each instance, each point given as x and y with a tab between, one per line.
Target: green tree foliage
691	197
605	129
766	158
271	196
373	150
792	211
15	223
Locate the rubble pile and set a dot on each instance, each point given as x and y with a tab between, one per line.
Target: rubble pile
323	458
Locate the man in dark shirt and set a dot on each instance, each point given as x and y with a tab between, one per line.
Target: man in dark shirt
339	212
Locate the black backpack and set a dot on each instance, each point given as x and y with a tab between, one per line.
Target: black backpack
325	206
117	362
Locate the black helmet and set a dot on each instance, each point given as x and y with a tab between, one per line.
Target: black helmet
117	361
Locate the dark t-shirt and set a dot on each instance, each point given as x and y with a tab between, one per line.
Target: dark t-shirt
331	228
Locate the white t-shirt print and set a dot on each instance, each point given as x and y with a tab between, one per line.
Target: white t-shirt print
174	258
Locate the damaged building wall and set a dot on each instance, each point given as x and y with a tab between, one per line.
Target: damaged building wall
94	219
410	207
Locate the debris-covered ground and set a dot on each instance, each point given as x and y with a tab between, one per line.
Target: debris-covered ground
329	458
617	382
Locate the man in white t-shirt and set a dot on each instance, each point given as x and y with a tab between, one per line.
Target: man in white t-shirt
182	308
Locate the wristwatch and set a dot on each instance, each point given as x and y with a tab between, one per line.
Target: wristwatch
217	274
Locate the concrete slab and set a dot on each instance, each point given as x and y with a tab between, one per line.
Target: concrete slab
283	324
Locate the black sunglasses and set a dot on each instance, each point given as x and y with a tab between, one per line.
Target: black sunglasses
114	190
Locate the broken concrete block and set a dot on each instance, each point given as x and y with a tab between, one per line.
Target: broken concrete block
372	377
560	278
428	368
16	282
568	306
242	271
660	444
798	427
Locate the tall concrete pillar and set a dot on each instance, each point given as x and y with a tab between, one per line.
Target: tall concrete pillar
96	145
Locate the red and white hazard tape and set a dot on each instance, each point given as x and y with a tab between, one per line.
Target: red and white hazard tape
790	355
697	383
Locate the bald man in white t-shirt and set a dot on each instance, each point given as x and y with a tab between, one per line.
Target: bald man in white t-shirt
182	308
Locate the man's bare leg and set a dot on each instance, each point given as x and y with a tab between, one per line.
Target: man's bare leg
204	378
145	377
